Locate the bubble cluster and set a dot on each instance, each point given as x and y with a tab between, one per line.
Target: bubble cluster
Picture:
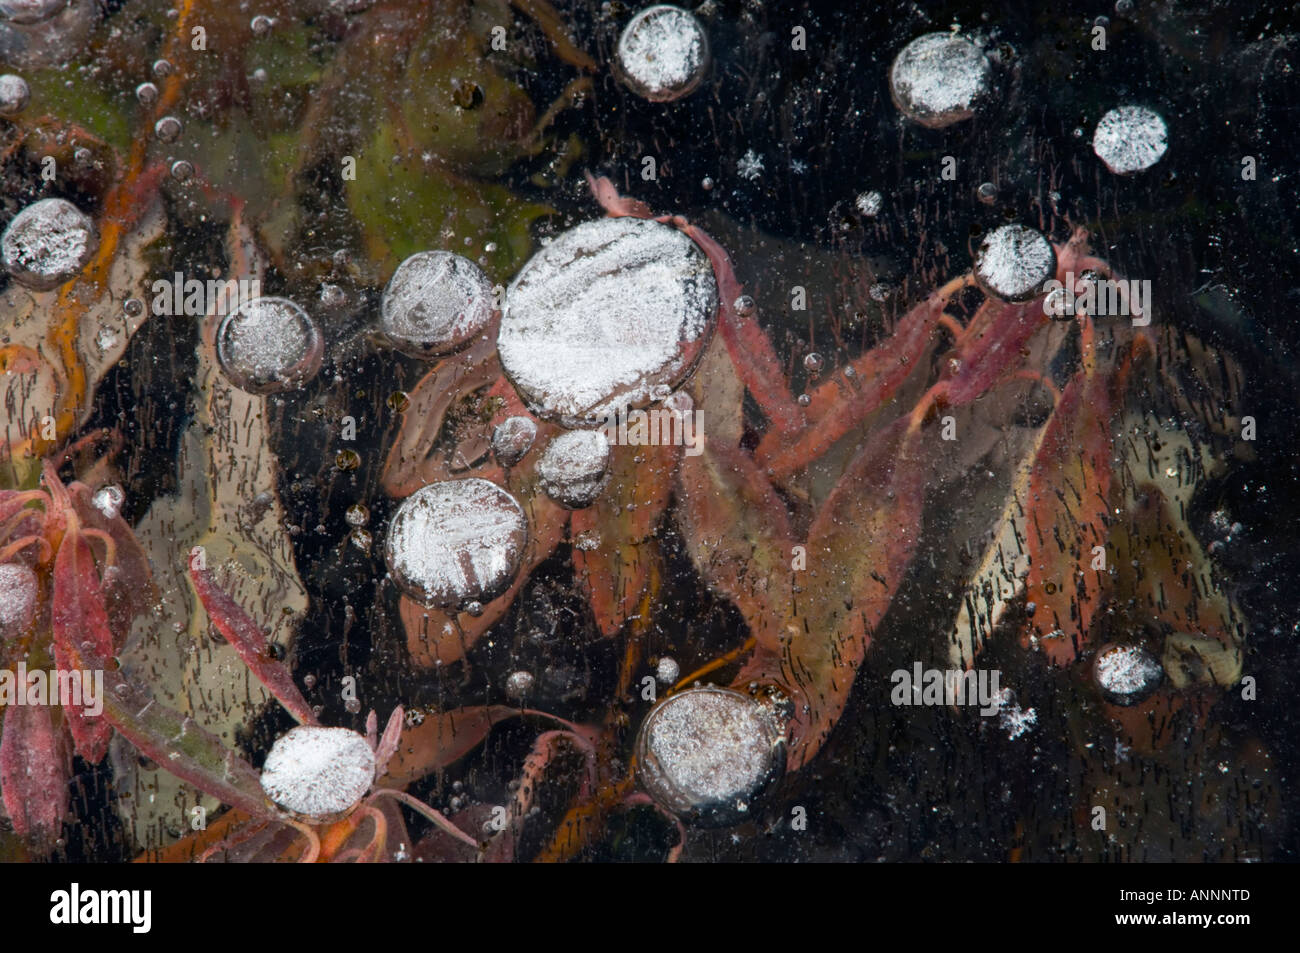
663	53
269	345
435	303
47	243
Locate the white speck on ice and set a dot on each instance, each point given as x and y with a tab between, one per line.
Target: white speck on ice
1013	719
869	203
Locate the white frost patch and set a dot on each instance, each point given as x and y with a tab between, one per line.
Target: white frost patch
937	79
707	748
1126	673
573	467
18	592
1130	138
869	204
47	243
455	542
435	303
14	94
603	314
108	500
318	772
1013	262
663	53
269	344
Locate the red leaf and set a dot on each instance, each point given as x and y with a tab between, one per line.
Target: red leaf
859	548
33	772
80	627
247	638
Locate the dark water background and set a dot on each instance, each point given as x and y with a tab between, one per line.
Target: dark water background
1222	255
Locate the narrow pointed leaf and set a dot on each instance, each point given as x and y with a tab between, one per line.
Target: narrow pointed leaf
247	638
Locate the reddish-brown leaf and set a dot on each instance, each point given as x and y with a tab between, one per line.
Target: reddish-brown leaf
249	641
859	548
33	772
613	544
80	627
440	739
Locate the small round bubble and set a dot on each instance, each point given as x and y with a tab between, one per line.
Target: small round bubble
15	94
167	129
269	345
